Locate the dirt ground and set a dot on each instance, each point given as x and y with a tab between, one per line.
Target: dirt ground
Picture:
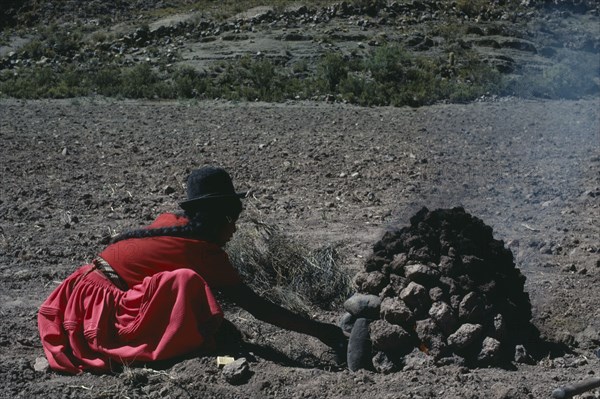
75	171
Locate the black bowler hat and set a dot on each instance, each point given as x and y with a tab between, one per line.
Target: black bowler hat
208	184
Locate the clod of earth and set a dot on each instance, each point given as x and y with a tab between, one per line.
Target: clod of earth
237	372
443	285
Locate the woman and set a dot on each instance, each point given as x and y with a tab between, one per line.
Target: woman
149	295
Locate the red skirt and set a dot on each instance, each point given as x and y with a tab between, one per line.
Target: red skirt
89	324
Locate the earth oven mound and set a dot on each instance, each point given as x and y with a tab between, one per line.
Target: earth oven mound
443	285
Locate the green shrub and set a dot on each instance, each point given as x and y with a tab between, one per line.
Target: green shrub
388	64
34	49
142	81
44	82
106	81
331	71
389	75
472	8
190	83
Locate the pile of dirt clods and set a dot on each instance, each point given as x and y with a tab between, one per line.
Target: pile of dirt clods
444	286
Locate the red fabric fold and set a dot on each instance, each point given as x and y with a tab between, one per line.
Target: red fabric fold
89	324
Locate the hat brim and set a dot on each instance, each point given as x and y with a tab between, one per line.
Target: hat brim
199	200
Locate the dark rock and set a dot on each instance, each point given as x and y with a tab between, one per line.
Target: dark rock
436	294
490	351
397	264
347	322
421	274
521	355
237	372
431	338
444	317
359	346
453	360
471	308
389	337
446	264
395	285
417	360
360	305
383	363
518	44
395	311
475	30
415	296
466	335
499	328
449	285
375	263
370	283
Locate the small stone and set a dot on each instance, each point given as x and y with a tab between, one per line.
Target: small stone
470	308
436	294
374	263
361	305
417	360
396	285
383	363
168	190
41	364
490	351
370	283
449	285
499	328
64	152
415	296
431	337
395	311
466	335
237	372
501	391
397	264
521	355
420	273
453	360
389	337
444	317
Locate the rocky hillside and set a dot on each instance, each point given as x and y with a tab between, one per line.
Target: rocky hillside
366	52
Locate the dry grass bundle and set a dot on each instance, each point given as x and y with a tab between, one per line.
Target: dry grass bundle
285	271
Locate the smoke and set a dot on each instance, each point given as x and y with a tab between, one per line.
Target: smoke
528	173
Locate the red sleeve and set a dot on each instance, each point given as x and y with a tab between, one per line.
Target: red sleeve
213	264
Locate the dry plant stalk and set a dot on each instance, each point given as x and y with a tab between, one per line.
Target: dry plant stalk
285	271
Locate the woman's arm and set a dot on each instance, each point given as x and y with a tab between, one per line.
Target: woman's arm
269	312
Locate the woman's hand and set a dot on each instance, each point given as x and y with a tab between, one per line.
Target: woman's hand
334	337
331	335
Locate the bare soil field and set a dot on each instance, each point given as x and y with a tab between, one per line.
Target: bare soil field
76	171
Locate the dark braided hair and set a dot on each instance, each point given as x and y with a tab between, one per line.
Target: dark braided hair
203	224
